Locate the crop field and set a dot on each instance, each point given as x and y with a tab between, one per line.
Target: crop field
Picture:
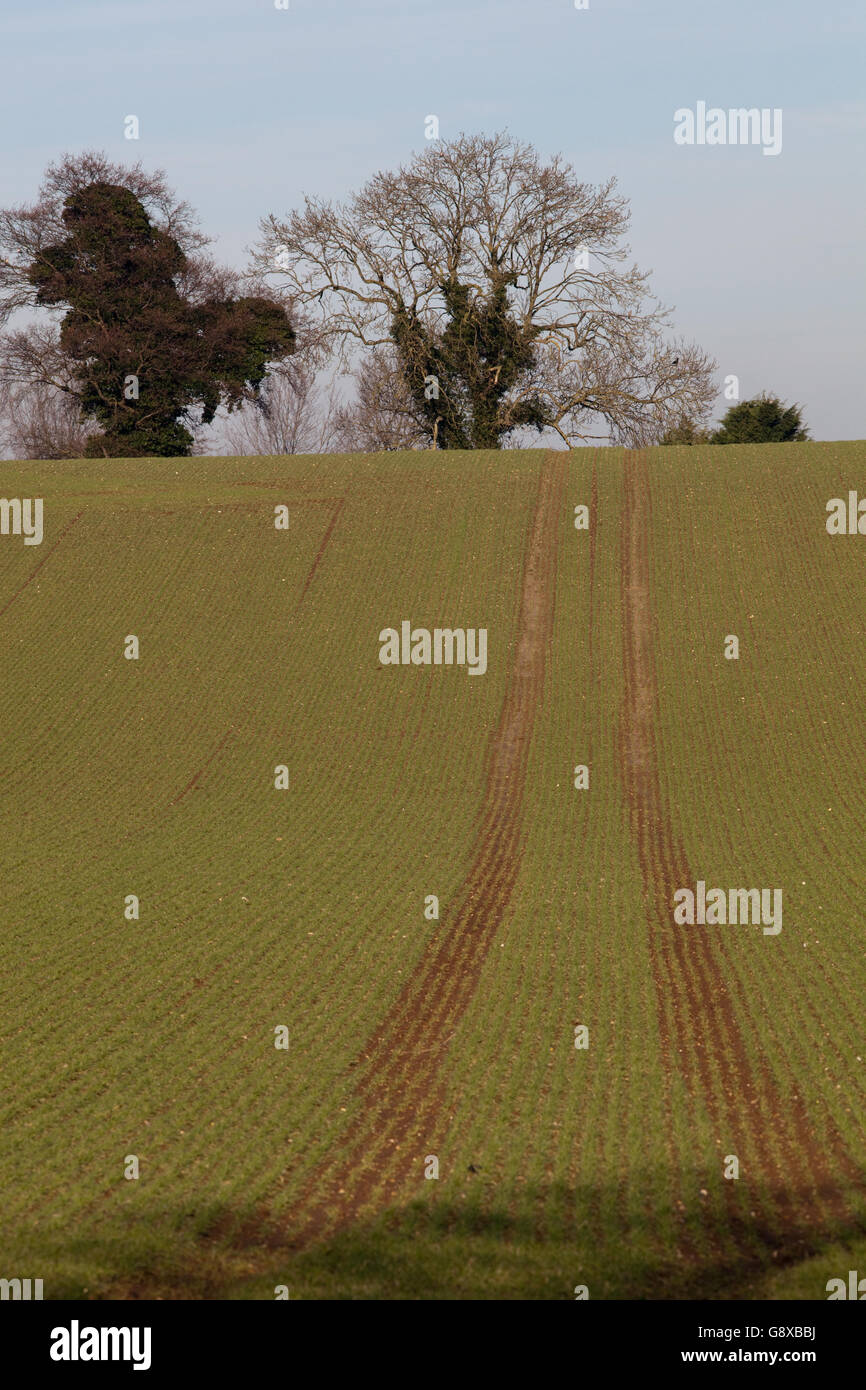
243	1048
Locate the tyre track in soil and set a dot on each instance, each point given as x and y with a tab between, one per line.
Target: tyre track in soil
402	1093
695	1008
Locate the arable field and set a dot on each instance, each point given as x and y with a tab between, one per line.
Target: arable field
418	1043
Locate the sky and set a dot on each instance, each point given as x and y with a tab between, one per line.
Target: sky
248	107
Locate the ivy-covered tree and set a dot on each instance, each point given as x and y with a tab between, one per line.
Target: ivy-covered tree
762	420
493	282
153	336
460	377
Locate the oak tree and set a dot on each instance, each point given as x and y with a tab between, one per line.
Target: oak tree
497	283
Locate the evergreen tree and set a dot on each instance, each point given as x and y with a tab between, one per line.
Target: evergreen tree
762	420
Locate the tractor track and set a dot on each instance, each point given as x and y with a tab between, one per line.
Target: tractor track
403	1110
702	1036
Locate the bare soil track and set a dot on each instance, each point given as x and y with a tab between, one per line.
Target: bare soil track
322	548
797	1187
702	1031
403	1110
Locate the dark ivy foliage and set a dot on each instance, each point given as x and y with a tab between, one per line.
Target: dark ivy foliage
118	274
476	359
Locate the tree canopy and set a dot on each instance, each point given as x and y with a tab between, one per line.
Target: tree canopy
497	280
150	336
762	420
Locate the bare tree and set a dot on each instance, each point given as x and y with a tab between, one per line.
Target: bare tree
499	281
39	411
293	414
40	422
383	415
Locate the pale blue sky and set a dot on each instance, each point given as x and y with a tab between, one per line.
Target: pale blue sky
248	107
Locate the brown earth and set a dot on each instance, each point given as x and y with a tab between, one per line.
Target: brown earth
322	548
702	1031
796	1202
403	1109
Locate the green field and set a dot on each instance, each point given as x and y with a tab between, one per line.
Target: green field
412	1038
